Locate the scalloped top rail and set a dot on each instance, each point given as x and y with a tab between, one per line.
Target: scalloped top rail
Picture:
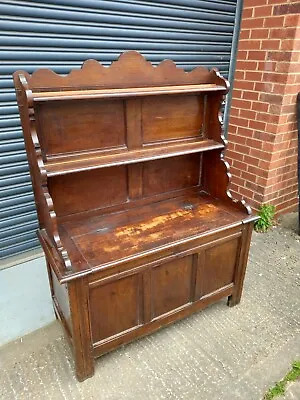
130	70
128	92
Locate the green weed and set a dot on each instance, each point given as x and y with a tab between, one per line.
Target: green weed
267	214
279	388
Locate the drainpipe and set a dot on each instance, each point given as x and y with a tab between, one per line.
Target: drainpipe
298	118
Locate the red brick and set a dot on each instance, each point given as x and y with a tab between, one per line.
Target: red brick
244	34
246	132
249	45
242	166
234	111
239	75
250	95
247	114
253	76
247	176
257	125
278	88
246	65
270	98
241	149
262	174
236	93
253	23
232	128
242	54
286	33
242	104
239	121
247	13
235	171
274	77
279	55
261	155
263	11
246	192
270	44
287	9
252	3
264	164
274	22
272	129
256	55
251	160
267	147
266	136
274	109
261	33
287	44
234	155
267	117
259	106
256	144
263	87
291	20
242	84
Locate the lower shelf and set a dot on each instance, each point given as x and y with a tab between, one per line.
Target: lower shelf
105	240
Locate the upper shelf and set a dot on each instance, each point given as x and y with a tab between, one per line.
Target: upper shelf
84	162
127	92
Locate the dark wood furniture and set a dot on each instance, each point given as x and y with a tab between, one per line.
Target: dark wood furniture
136	220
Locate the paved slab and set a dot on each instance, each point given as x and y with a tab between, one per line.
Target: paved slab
220	353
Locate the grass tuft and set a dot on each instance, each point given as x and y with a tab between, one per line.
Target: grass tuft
279	388
267	215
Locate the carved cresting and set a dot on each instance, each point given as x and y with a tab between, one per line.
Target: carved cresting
130	70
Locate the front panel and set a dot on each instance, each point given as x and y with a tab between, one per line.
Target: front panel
158	292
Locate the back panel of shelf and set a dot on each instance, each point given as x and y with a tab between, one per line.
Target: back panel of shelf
74	127
71	128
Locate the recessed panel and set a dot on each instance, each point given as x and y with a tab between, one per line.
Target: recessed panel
171	117
166	175
80	125
114	307
88	190
216	267
171	285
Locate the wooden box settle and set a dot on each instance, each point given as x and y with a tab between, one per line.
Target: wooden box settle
136	220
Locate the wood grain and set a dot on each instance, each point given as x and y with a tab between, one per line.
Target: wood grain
136	219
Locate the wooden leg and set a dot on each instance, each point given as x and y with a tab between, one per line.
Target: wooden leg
235	298
81	336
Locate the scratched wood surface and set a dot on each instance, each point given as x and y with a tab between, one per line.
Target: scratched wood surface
102	239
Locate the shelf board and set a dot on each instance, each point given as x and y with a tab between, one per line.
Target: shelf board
83	163
126	92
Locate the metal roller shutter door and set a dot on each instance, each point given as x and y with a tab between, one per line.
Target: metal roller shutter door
61	34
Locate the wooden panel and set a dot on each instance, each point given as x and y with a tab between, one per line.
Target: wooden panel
62	298
115	307
88	190
216	267
174	117
169	174
80	126
171	285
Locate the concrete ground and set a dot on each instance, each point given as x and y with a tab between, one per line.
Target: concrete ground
220	353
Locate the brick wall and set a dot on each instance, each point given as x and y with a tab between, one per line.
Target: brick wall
262	127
